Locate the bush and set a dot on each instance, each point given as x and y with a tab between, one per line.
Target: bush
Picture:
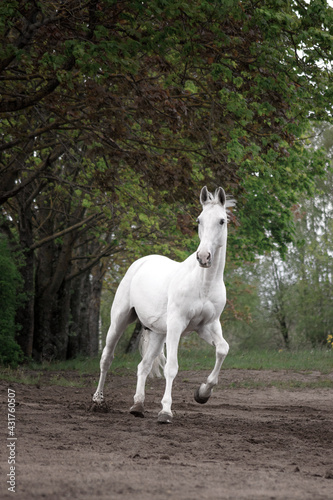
10	286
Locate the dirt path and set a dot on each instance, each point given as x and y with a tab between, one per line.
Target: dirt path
243	444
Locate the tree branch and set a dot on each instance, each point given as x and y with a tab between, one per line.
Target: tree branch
26	102
4	196
62	233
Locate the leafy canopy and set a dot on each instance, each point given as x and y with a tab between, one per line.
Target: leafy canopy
175	93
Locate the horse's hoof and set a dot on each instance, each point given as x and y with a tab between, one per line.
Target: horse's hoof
101	407
200	399
164	418
137	410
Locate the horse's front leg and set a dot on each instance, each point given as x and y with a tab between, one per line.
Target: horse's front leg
170	372
212	335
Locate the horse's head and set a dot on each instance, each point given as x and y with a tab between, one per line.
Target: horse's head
212	225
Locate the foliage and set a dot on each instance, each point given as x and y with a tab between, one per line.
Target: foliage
291	299
311	289
10	284
113	116
330	340
173	92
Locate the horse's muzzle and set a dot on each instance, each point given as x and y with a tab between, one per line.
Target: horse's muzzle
204	259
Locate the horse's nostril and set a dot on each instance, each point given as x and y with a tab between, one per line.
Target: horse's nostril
209	256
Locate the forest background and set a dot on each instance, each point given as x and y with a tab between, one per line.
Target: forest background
114	114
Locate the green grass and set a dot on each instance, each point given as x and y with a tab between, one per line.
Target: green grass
303	360
200	356
19	375
80	365
194	354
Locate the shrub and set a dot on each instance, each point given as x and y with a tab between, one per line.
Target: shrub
10	286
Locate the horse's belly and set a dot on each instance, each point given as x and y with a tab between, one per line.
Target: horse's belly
149	292
151	310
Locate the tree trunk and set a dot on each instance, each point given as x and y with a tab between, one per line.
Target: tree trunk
75	308
25	314
94	309
61	318
85	307
52	304
83	315
284	331
135	338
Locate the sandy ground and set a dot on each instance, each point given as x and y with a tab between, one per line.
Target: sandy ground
245	443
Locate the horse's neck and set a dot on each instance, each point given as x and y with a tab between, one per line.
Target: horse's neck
215	272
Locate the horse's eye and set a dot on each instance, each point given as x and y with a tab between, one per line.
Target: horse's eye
198	221
222	222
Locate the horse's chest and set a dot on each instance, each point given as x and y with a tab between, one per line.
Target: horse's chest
201	312
208	311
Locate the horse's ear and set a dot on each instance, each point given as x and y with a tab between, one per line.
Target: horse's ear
205	196
220	196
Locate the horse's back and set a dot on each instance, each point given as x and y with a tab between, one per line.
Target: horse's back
146	268
152	275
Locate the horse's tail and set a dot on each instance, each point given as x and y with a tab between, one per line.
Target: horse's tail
159	361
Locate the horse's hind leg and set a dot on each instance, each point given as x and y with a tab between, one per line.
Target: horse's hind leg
214	337
154	349
119	321
175	329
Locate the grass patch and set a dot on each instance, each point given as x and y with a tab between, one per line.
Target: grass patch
71	373
20	375
202	357
121	363
302	360
58	379
27	376
80	365
194	354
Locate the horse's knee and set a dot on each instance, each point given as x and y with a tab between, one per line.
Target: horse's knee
222	348
171	369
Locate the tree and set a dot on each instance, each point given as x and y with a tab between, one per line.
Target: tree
296	293
312	293
177	91
113	114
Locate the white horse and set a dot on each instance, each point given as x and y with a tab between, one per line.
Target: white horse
172	299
